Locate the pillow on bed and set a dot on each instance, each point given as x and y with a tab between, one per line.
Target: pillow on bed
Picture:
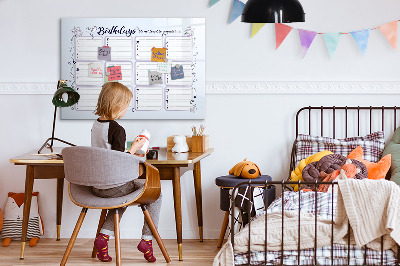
393	148
375	170
372	145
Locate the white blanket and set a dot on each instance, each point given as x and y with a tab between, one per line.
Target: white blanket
371	206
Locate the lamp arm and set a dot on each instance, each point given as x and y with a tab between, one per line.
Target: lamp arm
54	126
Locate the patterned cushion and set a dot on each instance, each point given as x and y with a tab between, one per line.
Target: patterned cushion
372	144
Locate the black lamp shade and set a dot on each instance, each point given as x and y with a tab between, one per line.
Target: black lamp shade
273	11
73	96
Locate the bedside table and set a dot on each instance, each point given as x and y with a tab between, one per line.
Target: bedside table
228	182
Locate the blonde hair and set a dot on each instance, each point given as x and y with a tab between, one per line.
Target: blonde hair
113	98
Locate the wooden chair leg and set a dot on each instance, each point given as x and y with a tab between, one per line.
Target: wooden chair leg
117	238
73	237
154	230
223	229
101	222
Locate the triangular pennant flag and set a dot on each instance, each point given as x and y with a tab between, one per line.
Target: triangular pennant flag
281	31
332	41
255	28
389	30
306	39
237	9
361	37
213	2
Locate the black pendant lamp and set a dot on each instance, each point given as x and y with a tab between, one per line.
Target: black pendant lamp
273	11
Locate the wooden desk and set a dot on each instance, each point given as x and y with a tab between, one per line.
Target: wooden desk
168	164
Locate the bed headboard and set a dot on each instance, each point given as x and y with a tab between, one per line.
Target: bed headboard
344	121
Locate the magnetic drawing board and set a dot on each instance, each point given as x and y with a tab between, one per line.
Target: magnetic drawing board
99	50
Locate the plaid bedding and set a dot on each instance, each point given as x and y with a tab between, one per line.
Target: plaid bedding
322	207
324	257
372	145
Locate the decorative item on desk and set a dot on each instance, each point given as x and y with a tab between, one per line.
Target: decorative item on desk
200	143
180	144
64	97
152	154
171	143
199	140
245	169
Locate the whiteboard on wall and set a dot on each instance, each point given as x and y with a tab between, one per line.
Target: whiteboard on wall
130	41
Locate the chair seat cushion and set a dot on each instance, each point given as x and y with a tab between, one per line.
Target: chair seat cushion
83	195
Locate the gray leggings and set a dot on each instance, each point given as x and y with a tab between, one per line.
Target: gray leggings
154	208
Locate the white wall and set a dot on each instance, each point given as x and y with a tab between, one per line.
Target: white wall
259	127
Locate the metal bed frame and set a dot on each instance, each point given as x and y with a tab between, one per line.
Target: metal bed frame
283	184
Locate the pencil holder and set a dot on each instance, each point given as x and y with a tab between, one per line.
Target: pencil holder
200	143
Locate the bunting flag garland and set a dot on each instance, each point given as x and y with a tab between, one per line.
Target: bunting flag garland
213	2
237	9
281	31
361	37
332	41
389	30
256	27
306	39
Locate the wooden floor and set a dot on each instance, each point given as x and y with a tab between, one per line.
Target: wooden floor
50	252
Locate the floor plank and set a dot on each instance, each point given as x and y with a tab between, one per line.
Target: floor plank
50	252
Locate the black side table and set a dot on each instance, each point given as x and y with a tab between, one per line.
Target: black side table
226	183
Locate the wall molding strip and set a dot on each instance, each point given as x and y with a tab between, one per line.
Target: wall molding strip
244	87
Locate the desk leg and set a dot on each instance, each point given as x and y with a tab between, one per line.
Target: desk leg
197	189
27	206
60	190
176	182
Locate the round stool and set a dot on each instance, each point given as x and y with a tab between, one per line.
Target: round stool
228	182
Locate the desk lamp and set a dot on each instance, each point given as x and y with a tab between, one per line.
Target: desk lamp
272	11
64	97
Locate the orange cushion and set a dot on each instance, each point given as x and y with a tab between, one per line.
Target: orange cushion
375	170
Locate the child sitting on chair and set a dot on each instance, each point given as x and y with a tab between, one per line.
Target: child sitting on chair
106	133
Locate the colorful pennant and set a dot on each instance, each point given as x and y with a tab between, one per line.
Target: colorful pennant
332	41
361	37
213	2
306	39
281	31
389	30
237	9
256	27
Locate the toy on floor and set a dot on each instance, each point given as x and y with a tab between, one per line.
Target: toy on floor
13	215
1	219
245	169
